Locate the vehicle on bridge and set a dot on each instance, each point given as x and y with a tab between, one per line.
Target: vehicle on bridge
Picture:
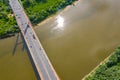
34	36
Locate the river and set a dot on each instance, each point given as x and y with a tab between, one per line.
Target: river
76	40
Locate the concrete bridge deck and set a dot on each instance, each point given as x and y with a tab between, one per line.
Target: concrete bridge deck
40	59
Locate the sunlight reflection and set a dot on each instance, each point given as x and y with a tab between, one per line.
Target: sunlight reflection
59	26
60	21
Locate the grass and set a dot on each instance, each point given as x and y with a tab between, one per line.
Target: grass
37	11
109	69
7	23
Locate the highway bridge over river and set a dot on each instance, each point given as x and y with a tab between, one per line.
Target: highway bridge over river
40	59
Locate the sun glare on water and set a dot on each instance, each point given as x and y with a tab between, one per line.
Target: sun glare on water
59	25
60	21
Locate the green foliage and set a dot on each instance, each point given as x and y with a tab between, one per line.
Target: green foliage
109	70
26	3
37	11
7	24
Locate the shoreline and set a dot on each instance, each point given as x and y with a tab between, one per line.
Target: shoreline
58	12
94	69
51	16
45	20
100	64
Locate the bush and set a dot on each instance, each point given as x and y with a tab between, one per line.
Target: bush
37	11
109	70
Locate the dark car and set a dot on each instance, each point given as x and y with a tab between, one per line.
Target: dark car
34	36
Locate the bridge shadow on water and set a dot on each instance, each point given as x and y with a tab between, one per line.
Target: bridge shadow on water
27	51
17	43
33	65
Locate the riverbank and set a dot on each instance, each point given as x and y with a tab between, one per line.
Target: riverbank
109	69
58	12
72	53
36	10
8	24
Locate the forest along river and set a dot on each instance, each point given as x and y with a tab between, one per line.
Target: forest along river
76	40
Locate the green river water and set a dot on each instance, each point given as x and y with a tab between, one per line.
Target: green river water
76	40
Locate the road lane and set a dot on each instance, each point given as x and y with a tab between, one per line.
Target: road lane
42	63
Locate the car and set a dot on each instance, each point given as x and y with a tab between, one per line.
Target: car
34	36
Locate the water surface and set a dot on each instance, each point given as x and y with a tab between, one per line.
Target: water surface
14	66
76	41
79	38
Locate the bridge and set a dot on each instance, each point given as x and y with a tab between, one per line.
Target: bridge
39	57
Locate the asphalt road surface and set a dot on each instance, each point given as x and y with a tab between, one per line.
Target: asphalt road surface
42	63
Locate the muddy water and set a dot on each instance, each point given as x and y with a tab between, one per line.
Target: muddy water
79	38
14	66
76	40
